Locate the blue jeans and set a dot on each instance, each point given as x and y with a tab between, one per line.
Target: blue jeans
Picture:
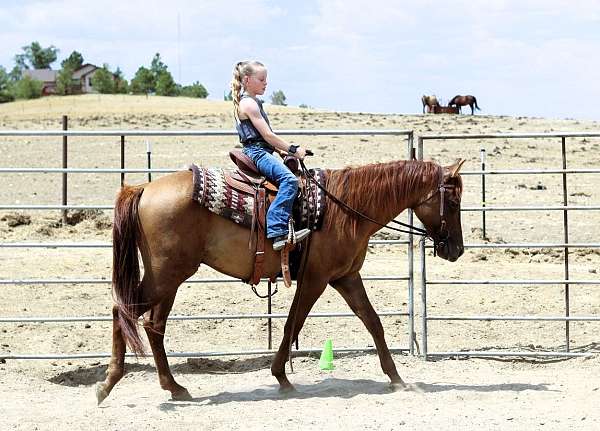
274	170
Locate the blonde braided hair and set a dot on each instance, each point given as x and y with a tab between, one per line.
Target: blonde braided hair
241	69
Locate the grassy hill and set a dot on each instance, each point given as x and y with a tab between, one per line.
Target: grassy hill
155	112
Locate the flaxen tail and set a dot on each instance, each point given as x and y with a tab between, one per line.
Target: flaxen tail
126	268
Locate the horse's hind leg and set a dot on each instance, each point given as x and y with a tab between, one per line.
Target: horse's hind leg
155	325
353	291
116	368
304	299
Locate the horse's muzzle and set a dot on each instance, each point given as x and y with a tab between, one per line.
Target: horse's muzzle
448	251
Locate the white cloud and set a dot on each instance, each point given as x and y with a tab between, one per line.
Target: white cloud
378	55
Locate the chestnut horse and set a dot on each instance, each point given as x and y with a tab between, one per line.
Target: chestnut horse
430	101
175	235
445	110
463	101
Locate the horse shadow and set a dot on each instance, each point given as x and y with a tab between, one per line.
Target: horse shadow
330	387
342	388
325	388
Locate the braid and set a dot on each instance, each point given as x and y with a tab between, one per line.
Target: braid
236	87
241	69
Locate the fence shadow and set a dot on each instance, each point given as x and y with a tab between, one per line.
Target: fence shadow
591	348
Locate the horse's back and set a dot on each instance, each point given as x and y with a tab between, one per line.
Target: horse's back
174	187
176	225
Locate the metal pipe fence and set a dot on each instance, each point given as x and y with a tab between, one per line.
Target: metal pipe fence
65	170
566	246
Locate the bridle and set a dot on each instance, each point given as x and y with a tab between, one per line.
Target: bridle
443	235
441	241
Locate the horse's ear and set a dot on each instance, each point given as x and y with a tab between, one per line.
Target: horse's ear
455	168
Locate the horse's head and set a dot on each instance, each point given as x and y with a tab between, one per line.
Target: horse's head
440	213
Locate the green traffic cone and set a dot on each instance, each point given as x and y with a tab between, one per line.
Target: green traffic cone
326	361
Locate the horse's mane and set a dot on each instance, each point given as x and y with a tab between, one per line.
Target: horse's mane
376	190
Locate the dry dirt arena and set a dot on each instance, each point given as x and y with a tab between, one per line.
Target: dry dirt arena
237	392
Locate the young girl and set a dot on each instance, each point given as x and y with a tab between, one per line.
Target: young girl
259	141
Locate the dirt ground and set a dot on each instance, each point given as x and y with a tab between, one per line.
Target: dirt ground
235	392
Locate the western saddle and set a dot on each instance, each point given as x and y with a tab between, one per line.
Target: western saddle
247	179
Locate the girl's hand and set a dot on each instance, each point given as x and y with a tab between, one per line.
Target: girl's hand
300	153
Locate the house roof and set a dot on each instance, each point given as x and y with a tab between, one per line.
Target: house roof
45	75
84	70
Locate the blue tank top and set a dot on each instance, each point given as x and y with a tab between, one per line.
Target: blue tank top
248	133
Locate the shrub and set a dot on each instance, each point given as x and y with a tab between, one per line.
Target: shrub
28	88
195	90
278	98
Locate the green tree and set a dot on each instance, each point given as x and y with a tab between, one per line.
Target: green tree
278	98
143	81
121	86
157	67
75	60
227	97
194	90
28	88
165	84
103	80
64	80
15	74
6	86
36	57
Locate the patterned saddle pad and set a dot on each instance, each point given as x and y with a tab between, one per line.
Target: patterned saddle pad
212	191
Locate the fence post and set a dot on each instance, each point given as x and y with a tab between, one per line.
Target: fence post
483	192
122	159
423	272
566	239
149	154
411	272
64	165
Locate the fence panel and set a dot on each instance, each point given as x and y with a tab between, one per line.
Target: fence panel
567	237
139	173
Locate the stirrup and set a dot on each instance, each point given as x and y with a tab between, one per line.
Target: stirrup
281	241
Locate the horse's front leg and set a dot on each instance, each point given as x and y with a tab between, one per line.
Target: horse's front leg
310	290
353	291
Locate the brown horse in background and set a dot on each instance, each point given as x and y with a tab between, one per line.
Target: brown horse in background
445	110
463	101
431	102
175	235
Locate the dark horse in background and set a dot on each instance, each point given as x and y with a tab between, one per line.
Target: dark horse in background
174	235
463	101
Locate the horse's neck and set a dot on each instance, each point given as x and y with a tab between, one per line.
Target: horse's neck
414	181
383	191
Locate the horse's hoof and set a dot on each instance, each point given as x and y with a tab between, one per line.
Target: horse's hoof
399	386
287	389
101	393
182	395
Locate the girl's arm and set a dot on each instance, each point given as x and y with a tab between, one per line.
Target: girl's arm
250	108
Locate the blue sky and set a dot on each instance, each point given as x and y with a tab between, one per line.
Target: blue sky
528	57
